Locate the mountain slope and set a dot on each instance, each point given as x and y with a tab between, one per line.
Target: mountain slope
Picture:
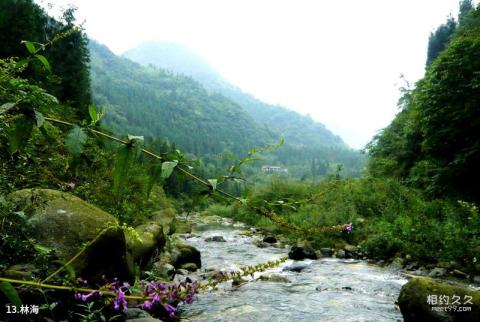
295	128
151	102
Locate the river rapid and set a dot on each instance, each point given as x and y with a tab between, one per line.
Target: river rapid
327	289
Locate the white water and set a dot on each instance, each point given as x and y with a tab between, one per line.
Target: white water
326	290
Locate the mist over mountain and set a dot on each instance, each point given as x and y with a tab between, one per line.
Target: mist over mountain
171	106
295	128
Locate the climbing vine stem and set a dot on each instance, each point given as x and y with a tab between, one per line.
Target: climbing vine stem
259	210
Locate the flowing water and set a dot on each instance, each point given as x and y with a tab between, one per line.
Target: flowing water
328	289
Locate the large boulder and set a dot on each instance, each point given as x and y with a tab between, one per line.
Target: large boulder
301	252
420	299
148	240
182	253
63	223
166	218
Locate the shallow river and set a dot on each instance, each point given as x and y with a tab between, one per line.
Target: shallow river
328	289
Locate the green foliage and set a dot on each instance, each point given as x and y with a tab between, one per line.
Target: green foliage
125	157
439	39
433	142
167	168
10	293
65	57
75	140
20	133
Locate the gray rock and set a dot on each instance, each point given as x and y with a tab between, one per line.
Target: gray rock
166	218
411	266
164	269
215	239
182	271
341	253
397	263
295	267
274	278
458	273
299	253
261	244
191	267
350	248
437	272
270	239
136	313
326	252
182	253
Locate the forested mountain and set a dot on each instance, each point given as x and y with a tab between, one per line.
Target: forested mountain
154	103
434	142
295	128
150	101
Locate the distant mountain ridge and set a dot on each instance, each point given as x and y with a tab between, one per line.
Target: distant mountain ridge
154	103
297	129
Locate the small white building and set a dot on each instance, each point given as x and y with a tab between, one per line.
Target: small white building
274	169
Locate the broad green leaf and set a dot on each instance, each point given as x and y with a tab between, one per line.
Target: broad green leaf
20	134
41	249
213	183
155	175
93	114
167	168
6	107
30	47
10	293
75	140
124	159
44	62
39	118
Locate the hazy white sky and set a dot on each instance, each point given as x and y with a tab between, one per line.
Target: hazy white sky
339	61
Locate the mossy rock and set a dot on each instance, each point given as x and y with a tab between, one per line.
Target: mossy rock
183	227
415	307
151	240
64	222
182	253
167	218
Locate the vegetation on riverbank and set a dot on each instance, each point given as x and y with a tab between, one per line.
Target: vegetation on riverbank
417	198
389	219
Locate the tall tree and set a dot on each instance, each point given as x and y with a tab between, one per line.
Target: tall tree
69	56
439	39
465	7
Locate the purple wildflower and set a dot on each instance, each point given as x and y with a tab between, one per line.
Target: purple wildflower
84	297
348	228
119	302
171	310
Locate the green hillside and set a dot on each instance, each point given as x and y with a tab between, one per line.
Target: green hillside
154	103
150	101
295	128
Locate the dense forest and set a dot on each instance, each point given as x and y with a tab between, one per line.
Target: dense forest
163	101
103	160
